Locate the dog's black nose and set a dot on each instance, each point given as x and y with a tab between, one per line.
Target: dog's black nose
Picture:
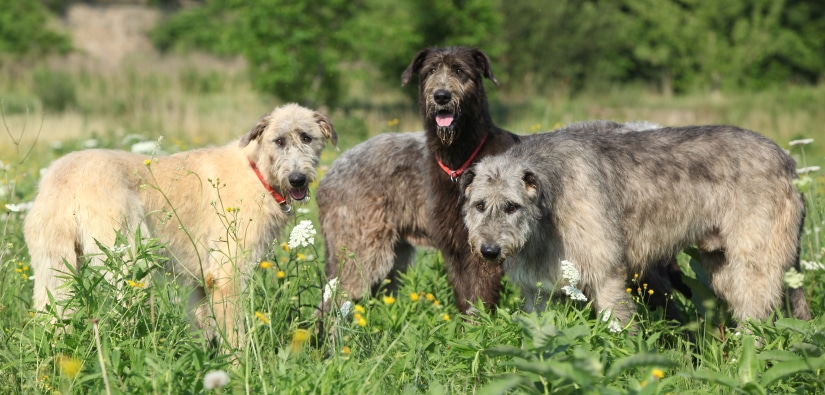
297	179
490	251
442	96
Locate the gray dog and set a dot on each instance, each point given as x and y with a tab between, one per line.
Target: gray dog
611	203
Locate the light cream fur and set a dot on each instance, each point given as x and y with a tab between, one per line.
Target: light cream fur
181	199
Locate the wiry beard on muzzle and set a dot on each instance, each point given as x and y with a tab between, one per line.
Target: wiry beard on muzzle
446	135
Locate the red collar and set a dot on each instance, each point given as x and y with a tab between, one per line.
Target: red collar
278	198
455	173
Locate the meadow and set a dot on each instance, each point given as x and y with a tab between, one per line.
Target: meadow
132	335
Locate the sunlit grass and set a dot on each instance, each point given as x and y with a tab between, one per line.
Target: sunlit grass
414	341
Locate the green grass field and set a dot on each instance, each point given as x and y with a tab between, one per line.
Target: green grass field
132	335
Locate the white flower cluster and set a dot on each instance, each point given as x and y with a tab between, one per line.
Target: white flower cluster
794	279
570	274
612	324
801	142
806	170
215	379
302	234
812	265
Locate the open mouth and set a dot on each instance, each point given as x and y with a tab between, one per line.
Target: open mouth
444	118
298	194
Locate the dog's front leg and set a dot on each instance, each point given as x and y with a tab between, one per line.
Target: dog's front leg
223	289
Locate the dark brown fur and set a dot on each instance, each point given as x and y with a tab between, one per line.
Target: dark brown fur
461	72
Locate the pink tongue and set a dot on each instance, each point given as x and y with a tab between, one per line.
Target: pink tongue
298	193
444	119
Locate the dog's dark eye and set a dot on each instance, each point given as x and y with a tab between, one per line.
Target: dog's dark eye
305	138
280	142
480	206
458	71
511	208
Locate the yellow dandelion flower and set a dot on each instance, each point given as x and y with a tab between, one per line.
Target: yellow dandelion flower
280	274
301	257
658	373
436	303
135	284
147	162
361	322
266	265
388	300
650	292
429	297
635	275
68	366
283	260
300	336
639	290
360	308
346	350
285	246
414	296
445	317
25	268
629	290
644	285
261	317
31	314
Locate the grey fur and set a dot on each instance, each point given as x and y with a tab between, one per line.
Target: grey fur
617	203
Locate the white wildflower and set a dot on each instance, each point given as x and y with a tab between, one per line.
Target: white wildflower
90	143
570	273
812	265
806	170
144	147
330	289
794	279
346	308
613	325
15	208
574	293
801	142
119	249
302	234
303	210
215	379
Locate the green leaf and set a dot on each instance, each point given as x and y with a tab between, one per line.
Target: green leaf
509	351
748	364
714	377
503	384
793	324
788	368
778	355
637	361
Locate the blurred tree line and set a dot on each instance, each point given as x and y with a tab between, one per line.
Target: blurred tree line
300	50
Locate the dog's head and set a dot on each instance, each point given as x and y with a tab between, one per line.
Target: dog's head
501	202
287	146
451	86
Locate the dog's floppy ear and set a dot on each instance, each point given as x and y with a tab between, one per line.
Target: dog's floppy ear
531	184
464	183
326	128
415	66
483	62
256	130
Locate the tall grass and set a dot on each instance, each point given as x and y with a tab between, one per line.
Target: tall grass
132	334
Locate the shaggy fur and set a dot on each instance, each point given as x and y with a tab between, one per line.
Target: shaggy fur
387	194
614	204
182	199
